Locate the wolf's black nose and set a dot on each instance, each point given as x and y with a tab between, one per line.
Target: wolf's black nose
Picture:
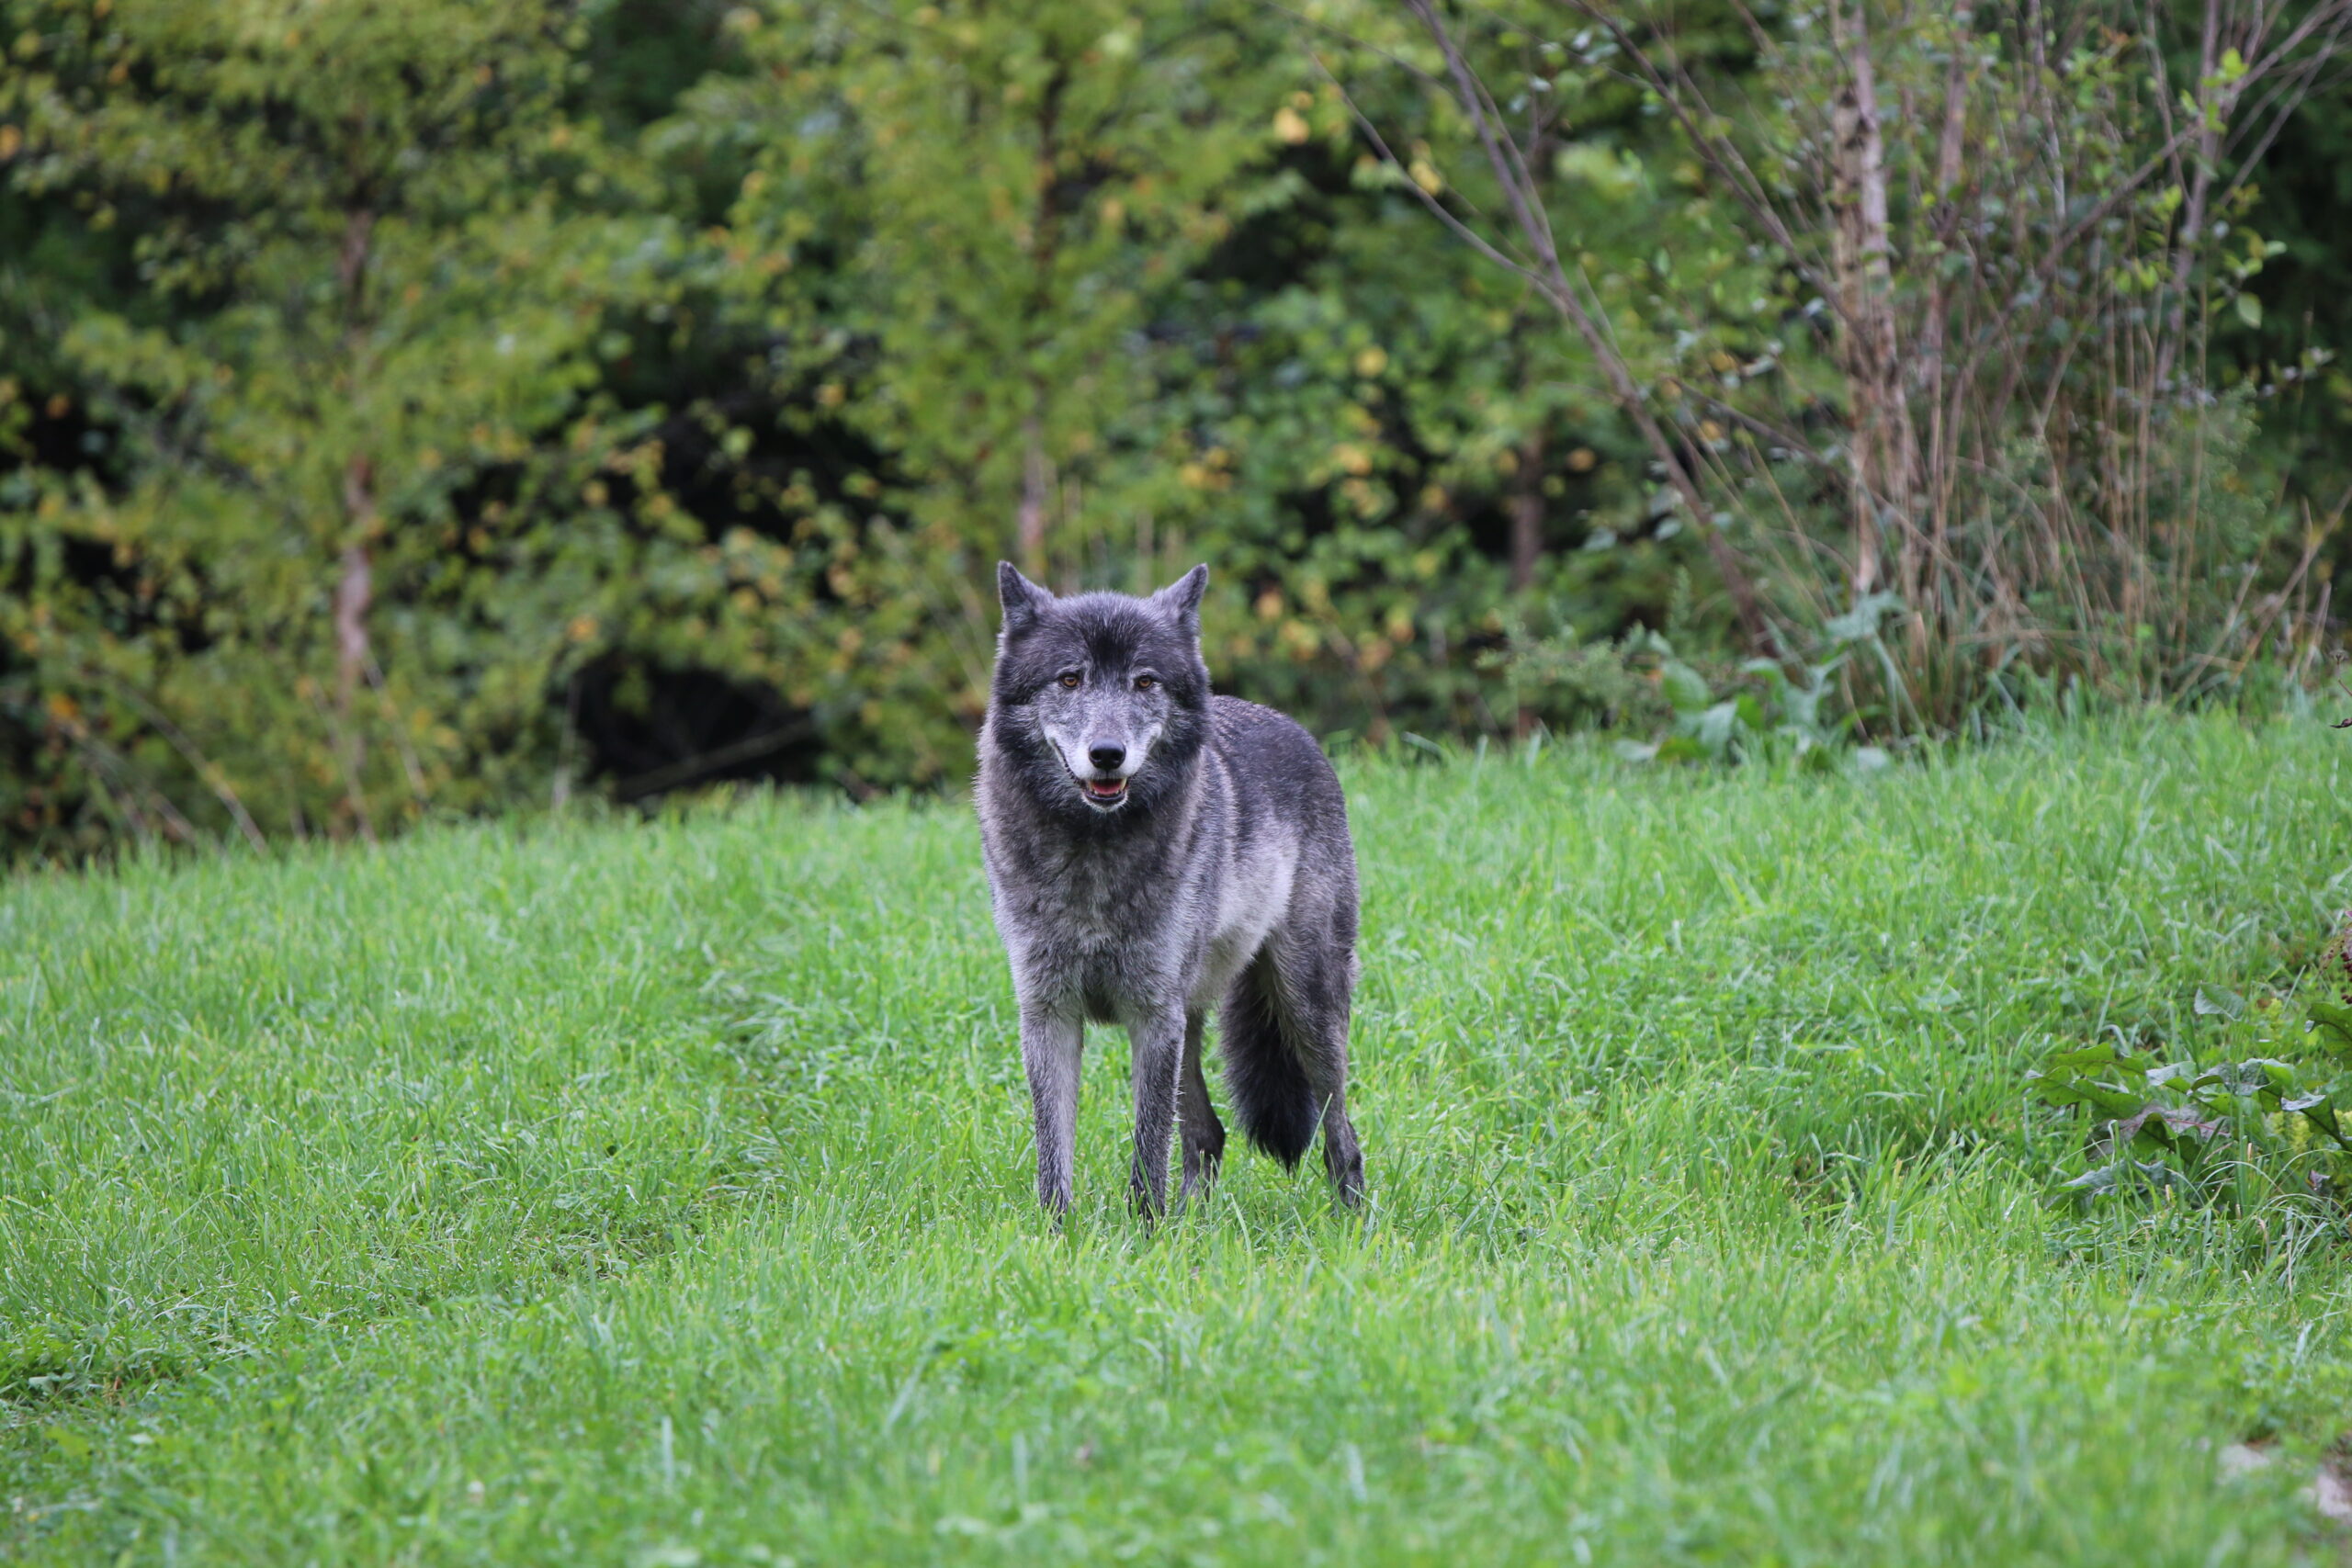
1106	758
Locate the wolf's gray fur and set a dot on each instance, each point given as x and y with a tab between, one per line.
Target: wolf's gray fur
1153	851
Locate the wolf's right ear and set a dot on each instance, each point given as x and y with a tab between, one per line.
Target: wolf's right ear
1022	600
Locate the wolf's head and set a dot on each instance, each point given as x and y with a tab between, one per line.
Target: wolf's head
1101	699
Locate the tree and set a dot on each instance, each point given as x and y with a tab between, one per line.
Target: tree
988	212
2013	324
362	504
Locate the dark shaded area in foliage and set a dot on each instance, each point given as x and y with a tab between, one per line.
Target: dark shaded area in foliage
732	526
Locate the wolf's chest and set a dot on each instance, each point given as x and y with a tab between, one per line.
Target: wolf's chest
1106	935
1092	910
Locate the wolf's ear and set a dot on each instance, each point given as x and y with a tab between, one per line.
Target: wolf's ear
1182	599
1022	600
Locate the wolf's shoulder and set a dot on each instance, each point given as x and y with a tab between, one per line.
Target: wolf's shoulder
1254	724
1268	746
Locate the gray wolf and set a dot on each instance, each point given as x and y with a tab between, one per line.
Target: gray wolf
1153	850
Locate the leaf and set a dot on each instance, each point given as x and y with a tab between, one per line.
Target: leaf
2147	1124
71	1443
2256	1075
2332	1023
2217	1003
1861	622
2320	1109
2249	309
1685	688
2127	1173
2099	1054
1775	679
1716	725
2096	1075
2107	1098
2185	1119
2162	1123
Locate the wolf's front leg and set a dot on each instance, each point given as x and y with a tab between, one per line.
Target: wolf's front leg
1052	1043
1157	1043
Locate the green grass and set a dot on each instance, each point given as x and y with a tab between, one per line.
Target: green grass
661	1193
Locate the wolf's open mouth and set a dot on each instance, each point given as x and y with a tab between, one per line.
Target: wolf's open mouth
1104	791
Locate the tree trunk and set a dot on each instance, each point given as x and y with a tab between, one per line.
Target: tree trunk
1036	487
1527	510
1884	449
2201	191
353	591
1935	459
1045	244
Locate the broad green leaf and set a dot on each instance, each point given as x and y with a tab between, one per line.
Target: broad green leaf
2217	1002
1684	687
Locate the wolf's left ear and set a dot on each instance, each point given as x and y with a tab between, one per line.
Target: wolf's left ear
1021	599
1182	599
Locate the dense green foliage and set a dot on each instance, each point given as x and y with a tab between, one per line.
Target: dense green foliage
659	1192
426	406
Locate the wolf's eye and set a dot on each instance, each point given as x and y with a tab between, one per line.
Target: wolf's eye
1070	679
1145	682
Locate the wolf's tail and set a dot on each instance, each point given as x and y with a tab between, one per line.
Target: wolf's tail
1263	1074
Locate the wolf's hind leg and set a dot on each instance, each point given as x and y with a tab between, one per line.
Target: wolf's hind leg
1342	1155
1051	1046
1326	1057
1203	1133
1314	997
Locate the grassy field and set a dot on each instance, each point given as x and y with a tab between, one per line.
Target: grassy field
660	1193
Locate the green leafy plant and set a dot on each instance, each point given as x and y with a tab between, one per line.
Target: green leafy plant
2262	1118
1772	712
